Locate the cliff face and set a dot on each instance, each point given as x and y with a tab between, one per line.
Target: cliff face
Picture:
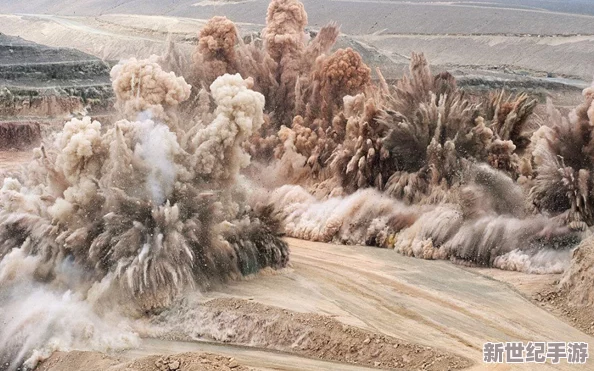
24	104
55	102
40	86
19	135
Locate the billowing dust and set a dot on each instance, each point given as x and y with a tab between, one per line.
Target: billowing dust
130	216
219	153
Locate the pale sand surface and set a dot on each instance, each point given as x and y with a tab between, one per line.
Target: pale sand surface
432	303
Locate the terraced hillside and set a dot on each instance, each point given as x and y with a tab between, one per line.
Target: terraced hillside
41	85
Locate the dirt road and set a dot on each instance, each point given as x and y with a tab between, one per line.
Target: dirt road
429	302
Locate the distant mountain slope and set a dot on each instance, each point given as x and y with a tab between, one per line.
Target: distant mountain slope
15	50
394	16
27	64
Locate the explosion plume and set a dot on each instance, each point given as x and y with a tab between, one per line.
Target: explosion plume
348	134
367	141
489	234
146	215
197	182
342	73
215	54
564	156
280	63
144	86
284	39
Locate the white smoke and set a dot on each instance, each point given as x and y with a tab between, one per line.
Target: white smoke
38	319
158	146
218	147
546	261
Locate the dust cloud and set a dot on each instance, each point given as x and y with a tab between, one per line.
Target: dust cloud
218	154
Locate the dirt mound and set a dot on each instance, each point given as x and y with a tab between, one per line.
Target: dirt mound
576	281
569	296
311	335
574	296
559	303
74	361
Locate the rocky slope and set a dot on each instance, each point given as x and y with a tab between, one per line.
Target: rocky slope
40	86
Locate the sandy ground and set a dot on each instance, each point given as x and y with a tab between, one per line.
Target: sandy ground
527	55
379	295
543	291
311	335
75	361
427	302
